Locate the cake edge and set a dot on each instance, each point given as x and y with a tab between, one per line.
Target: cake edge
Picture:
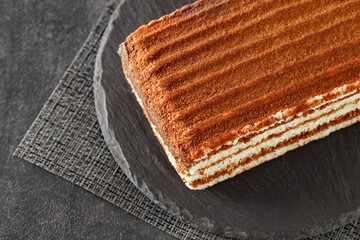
130	78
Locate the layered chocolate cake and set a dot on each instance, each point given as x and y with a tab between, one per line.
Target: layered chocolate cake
228	85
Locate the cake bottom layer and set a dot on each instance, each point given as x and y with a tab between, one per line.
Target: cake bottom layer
281	148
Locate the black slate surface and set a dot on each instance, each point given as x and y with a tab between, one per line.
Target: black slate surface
38	41
305	192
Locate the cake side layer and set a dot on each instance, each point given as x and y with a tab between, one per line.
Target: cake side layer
325	130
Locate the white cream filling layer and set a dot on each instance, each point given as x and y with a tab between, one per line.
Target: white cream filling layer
278	152
251	150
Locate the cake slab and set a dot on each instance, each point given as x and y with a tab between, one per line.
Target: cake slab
303	193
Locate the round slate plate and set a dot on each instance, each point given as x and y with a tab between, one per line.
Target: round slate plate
305	192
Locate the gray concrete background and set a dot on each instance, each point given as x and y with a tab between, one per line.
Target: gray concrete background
38	40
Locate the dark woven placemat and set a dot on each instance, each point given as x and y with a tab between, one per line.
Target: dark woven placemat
65	139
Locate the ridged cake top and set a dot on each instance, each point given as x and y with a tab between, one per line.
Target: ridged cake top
209	69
